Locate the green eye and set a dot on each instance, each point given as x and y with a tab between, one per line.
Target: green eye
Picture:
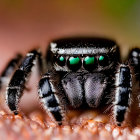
89	60
61	61
74	60
89	63
74	63
103	60
61	58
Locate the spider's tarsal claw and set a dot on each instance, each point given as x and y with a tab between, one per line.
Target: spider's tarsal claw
15	112
59	123
119	124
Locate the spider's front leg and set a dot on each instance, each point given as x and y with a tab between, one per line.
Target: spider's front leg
51	96
122	93
18	80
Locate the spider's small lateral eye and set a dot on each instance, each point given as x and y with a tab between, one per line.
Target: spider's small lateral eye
61	60
89	63
74	63
103	60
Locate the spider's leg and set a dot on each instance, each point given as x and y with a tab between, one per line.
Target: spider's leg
134	58
9	69
18	80
51	97
122	93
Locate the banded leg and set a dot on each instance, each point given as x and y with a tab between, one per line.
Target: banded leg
9	69
18	80
51	97
134	58
122	93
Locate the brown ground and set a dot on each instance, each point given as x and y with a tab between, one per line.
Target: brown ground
38	126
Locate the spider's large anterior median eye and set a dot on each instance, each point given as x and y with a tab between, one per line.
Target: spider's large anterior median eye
103	60
74	60
89	60
61	60
74	63
89	63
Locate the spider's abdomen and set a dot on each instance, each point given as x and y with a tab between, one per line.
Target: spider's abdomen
80	88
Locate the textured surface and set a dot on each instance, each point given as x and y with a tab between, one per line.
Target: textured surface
82	125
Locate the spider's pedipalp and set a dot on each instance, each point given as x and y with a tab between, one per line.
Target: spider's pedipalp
17	83
122	93
72	85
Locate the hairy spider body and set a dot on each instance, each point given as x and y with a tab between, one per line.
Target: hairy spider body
80	72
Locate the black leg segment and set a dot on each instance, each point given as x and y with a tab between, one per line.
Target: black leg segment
134	58
9	69
51	98
122	93
18	80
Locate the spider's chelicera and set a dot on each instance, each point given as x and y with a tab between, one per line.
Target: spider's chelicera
80	72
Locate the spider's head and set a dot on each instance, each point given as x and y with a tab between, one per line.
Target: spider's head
83	54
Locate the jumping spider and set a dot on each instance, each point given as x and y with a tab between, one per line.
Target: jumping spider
80	72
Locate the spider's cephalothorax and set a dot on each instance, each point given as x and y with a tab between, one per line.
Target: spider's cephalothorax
80	72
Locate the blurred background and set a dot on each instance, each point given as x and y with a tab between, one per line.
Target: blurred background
28	23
